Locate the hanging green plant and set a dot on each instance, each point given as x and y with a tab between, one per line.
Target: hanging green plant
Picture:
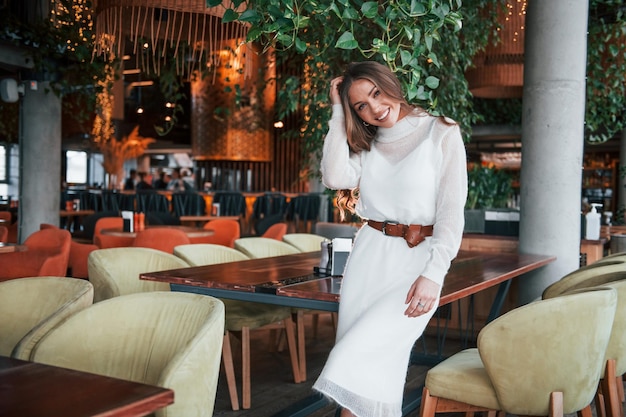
427	43
605	114
488	187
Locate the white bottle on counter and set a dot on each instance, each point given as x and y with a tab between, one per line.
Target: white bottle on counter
592	220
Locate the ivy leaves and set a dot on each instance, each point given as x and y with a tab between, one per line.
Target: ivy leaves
488	187
399	33
420	40
606	64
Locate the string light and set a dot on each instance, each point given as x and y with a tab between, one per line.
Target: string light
521	12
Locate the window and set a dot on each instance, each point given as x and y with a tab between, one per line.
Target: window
4	164
76	172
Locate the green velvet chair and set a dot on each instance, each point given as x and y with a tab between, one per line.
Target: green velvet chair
614	257
263	247
115	271
241	317
587	276
610	393
544	358
304	242
167	339
30	307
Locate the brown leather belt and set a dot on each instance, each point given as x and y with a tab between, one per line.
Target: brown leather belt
414	234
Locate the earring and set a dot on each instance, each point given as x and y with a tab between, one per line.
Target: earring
365	124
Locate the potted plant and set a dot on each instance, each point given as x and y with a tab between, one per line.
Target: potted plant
489	188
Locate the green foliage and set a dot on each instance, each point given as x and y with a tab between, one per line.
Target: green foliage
605	114
606	66
488	187
427	43
498	111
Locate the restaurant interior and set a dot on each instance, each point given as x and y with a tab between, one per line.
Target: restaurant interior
181	270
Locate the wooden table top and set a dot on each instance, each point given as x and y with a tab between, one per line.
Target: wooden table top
241	275
75	213
190	231
12	247
469	273
206	218
292	275
29	389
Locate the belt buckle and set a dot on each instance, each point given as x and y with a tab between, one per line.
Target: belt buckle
388	222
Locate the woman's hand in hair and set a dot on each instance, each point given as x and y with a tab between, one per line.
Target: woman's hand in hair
335	98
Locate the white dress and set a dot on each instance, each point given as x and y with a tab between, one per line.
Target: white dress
414	173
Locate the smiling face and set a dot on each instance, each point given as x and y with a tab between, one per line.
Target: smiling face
372	105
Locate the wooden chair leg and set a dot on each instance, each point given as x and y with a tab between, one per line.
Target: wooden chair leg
599	402
556	404
428	406
301	344
245	367
585	412
612	403
431	405
293	350
229	370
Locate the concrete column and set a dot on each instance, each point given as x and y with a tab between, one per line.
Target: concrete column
40	159
552	138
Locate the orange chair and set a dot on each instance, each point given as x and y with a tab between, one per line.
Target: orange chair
4	234
6	216
47	254
79	253
108	241
276	231
225	233
161	238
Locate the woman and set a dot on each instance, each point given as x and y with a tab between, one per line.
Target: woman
410	172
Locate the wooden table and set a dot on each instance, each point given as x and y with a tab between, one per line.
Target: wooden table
73	216
199	221
12	247
288	280
75	213
29	389
191	232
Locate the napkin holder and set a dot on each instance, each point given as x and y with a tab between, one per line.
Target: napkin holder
129	221
339	255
